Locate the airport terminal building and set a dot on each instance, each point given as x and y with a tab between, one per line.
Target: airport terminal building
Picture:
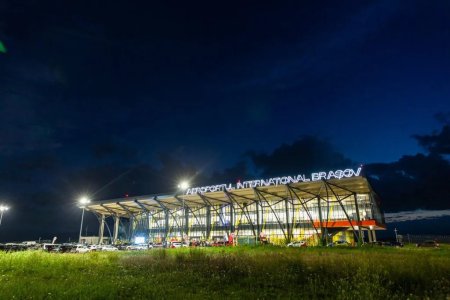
321	208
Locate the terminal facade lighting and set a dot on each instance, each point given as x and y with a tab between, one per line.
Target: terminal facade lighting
320	208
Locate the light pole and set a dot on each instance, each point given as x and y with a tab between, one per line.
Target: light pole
183	186
3	208
83	202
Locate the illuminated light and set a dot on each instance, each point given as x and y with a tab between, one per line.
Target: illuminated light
3	208
139	240
84	200
184	185
337	174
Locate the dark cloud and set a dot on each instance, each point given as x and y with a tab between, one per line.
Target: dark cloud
238	172
413	182
437	142
308	154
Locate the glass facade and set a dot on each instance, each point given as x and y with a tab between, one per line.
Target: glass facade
276	221
315	212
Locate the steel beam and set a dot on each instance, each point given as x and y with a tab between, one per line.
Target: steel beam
206	200
273	211
343	209
231	197
305	208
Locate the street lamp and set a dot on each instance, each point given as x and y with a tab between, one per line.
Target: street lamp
83	202
3	208
184	185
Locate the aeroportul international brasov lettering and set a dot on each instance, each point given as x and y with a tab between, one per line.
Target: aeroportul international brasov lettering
338	174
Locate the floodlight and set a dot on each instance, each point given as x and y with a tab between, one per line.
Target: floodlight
84	200
184	185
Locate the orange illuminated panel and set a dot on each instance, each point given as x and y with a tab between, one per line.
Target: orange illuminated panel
345	223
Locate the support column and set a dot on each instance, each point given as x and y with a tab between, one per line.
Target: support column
149	236
101	229
208	222
116	229
131	228
166	224
232	217
288	227
374	236
358	220
258	223
322	242
186	221
369	235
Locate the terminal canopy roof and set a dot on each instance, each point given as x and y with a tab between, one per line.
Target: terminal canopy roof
328	190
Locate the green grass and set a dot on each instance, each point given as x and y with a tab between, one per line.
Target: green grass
240	272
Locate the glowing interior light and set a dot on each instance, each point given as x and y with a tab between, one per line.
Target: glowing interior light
139	240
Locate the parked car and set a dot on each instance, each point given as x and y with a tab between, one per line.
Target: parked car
175	245
81	249
67	248
297	244
56	249
94	247
429	243
138	247
108	248
50	247
339	244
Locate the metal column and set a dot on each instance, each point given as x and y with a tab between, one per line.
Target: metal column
358	220
116	229
322	242
101	229
186	220
166	224
232	218
288	227
131	228
258	223
208	222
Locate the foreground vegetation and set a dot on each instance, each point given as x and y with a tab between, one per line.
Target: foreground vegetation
240	272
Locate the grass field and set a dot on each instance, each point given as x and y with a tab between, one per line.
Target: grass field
240	272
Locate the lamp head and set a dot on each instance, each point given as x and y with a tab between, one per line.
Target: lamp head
184	185
84	200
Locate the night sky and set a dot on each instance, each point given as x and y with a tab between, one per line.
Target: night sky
108	98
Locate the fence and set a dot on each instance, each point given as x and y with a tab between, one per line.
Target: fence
415	238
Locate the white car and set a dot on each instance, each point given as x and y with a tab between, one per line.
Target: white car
94	247
81	249
139	247
108	248
297	244
175	245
